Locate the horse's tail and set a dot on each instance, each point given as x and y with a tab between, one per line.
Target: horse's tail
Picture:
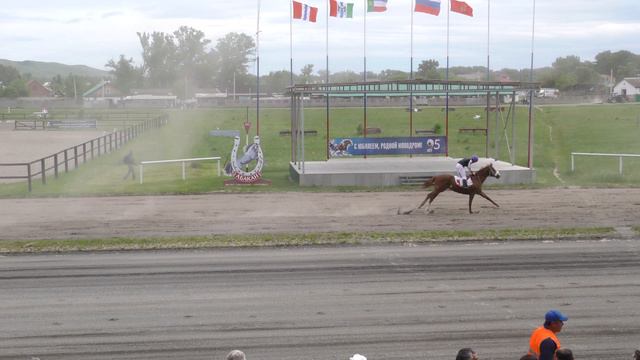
428	183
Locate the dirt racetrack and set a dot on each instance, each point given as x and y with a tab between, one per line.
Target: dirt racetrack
147	216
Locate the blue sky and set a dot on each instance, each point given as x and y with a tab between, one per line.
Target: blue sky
91	33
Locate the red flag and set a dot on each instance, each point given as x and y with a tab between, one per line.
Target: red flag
304	12
461	7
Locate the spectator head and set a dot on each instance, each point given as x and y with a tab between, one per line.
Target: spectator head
467	354
528	357
236	355
554	320
564	354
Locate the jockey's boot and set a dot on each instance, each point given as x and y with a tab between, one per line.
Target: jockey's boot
464	183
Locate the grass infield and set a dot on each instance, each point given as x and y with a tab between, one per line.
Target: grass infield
294	239
559	130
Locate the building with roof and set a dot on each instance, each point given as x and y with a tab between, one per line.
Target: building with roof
103	89
628	87
37	89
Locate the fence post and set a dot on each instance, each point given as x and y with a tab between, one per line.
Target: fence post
43	171
573	166
620	165
66	161
29	175
98	147
55	165
92	156
75	156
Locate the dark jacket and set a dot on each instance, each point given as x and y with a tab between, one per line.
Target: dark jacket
465	162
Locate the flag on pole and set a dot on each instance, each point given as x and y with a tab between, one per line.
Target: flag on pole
341	9
461	7
376	5
304	12
428	6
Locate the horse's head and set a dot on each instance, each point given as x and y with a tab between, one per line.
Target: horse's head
489	170
493	172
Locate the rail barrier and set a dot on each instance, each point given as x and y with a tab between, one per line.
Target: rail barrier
75	155
183	161
619	156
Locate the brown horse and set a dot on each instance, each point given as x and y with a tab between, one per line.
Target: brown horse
443	182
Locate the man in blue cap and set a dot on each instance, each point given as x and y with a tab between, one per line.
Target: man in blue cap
544	342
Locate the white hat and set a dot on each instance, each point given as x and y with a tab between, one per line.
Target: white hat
358	357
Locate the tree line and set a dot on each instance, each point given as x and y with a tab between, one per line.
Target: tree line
185	62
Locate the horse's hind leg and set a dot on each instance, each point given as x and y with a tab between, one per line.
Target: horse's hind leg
432	195
419	207
429	198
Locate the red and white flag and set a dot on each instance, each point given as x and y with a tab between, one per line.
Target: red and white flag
304	12
461	7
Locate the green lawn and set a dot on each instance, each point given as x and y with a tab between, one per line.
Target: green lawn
559	130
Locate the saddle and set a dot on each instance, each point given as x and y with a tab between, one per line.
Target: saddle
459	181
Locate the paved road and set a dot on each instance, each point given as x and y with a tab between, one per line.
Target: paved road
389	302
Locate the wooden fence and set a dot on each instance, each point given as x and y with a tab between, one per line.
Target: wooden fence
70	158
104	120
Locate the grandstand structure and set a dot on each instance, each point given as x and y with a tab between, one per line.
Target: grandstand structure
381	171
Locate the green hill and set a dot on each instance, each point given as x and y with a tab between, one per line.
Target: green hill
47	70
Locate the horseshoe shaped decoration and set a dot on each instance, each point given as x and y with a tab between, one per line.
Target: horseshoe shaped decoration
237	172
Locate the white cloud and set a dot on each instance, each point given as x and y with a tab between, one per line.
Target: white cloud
81	32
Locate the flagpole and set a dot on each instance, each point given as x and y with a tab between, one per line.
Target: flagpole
291	42
258	72
293	99
488	37
446	105
486	135
411	78
531	129
327	78
366	9
411	72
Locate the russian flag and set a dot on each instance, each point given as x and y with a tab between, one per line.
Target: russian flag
304	12
428	6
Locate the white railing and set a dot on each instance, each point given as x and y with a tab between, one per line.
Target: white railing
619	156
183	161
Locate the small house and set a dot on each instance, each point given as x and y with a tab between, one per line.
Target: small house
628	87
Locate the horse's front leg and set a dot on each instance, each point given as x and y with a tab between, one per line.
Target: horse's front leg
481	193
470	201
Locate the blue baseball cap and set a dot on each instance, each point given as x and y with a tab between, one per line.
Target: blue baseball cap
555	315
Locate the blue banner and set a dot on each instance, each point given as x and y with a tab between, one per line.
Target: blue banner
340	147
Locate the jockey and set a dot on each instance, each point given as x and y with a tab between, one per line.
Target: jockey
464	164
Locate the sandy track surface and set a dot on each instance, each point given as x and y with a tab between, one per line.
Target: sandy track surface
325	303
145	216
25	146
